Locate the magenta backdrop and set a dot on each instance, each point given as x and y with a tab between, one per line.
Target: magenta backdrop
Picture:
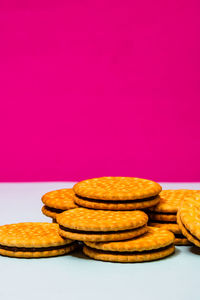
92	88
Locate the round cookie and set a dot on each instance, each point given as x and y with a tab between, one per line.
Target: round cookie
56	202
167	208
186	233
193	199
156	243
139	257
173	227
49	213
116	205
117	188
98	225
170	200
102	236
163	217
180	240
33	240
189	220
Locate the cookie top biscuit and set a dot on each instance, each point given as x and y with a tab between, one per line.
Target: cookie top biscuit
100	220
129	257
155	238
194	198
168	226
117	188
161	217
170	200
60	199
31	235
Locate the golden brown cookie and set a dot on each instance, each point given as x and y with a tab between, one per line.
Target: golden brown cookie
32	240
116	205
102	235
98	225
170	200
56	202
49	213
173	227
117	188
162	217
186	233
189	220
181	241
179	238
130	257
156	243
194	198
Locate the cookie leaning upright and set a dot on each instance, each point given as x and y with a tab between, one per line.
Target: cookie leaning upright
188	218
155	244
33	240
99	225
117	193
164	214
55	202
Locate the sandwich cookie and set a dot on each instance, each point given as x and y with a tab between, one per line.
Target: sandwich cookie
166	209
180	239
55	202
189	220
164	214
33	240
117	193
155	244
98	225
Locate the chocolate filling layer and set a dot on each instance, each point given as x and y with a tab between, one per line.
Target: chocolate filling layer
41	249
163	222
162	213
96	232
56	210
179	236
129	252
118	201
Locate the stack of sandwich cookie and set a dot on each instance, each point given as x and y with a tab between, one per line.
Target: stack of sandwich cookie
164	214
155	244
117	193
33	240
97	225
55	202
188	218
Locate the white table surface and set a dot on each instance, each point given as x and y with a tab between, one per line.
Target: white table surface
77	277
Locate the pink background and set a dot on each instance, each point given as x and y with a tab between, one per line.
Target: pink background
92	88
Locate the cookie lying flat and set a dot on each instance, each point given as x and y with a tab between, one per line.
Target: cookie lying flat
180	239
156	243
165	212
170	201
97	225
117	205
55	202
163	217
33	240
117	193
189	220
